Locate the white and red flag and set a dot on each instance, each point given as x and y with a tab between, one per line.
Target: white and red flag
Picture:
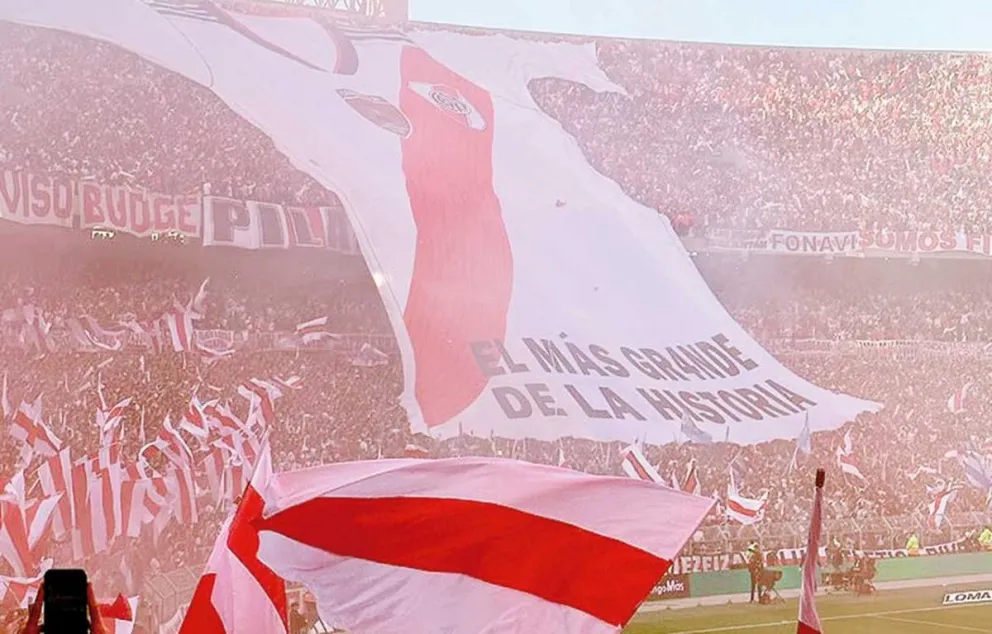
237	593
937	509
171	444
194	419
314	330
55	476
261	396
179	326
37	329
473	544
223	420
848	465
119	615
691	483
636	466
199	303
210	355
18	592
28	427
413	450
23	525
5	407
809	620
109	420
959	401
744	510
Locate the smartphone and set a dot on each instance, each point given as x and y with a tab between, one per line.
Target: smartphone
66	602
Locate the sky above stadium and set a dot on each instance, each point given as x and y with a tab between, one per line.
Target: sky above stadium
900	24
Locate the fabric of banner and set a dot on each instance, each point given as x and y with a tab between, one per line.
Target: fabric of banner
530	296
472	544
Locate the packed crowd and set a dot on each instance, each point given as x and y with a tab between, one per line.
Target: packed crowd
854	299
790	138
728	136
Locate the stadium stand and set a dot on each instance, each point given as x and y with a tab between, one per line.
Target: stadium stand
714	137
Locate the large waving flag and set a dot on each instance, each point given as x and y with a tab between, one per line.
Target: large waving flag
473	544
238	594
505	257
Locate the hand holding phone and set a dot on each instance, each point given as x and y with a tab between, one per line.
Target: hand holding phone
33	625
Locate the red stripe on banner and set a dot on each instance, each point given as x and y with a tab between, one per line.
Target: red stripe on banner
242	541
502	546
201	615
463	267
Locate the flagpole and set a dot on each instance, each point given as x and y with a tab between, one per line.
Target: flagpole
809	620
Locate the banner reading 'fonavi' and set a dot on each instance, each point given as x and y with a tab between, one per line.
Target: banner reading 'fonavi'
530	296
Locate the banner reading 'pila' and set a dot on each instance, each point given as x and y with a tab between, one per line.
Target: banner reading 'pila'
530	296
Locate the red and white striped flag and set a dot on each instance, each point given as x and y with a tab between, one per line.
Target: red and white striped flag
5	407
210	355
691	483
414	450
55	476
119	615
179	326
214	467
194	419
314	330
16	593
809	620
23	525
223	420
959	400
182	489
848	465
636	466
744	510
97	515
292	382
199	303
401	558
37	329
170	444
237	593
28	427
937	510
261	396
110	419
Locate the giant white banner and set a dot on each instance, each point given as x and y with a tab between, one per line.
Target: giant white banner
530	296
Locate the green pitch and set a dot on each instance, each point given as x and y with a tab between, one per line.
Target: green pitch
917	611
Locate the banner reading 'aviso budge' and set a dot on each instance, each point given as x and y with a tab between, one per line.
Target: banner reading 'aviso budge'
530	296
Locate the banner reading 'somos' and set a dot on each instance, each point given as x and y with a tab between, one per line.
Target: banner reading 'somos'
530	296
